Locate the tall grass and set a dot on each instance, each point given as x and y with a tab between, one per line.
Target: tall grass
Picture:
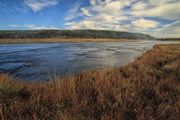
148	88
59	40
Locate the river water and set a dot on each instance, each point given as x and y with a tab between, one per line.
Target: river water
42	60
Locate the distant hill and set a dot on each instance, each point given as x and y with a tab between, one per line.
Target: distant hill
169	39
22	34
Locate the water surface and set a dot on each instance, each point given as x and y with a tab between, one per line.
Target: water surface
40	61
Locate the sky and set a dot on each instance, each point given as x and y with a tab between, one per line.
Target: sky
160	18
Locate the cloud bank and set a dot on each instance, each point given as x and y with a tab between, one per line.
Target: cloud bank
32	27
155	17
37	5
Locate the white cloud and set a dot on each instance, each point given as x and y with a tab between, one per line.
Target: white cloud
32	27
143	23
139	6
129	15
37	5
73	11
83	24
93	2
106	12
14	25
91	24
99	2
169	30
85	12
167	9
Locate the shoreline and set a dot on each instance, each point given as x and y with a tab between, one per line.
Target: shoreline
60	40
145	88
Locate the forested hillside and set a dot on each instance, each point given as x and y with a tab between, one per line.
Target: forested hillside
21	34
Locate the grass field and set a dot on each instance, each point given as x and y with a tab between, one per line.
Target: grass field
59	40
148	88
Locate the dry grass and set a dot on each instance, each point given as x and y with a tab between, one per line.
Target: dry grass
148	88
59	40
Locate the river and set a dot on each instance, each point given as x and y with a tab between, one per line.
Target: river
43	60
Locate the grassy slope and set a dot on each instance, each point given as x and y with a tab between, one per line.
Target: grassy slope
58	40
21	34
148	88
38	36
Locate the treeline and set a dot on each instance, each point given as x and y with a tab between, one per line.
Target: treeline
169	39
21	34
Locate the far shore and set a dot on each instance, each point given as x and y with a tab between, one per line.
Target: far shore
61	40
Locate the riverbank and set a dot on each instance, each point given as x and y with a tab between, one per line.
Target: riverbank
59	40
148	88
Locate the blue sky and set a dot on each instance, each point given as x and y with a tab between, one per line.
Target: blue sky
160	18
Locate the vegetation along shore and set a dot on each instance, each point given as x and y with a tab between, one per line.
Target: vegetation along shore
148	88
59	40
51	36
55	36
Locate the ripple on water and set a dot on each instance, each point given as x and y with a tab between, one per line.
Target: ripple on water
39	61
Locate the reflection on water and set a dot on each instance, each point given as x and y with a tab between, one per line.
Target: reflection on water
38	61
